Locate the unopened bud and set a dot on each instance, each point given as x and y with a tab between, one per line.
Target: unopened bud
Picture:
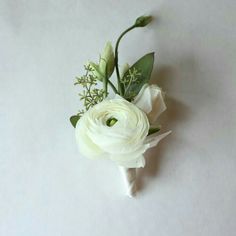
143	21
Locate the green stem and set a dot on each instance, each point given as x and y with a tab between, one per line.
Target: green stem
105	81
120	87
113	87
128	86
105	88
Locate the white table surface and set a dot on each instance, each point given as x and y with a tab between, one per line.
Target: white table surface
188	186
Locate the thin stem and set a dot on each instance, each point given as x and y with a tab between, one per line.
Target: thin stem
105	88
105	81
113	87
120	86
128	86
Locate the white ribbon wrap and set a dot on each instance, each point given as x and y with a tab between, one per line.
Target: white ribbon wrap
129	177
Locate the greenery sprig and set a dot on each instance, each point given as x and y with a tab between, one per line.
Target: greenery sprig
90	95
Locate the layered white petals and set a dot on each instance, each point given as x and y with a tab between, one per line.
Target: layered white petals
123	142
150	100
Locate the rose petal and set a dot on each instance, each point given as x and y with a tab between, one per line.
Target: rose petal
150	100
158	104
143	100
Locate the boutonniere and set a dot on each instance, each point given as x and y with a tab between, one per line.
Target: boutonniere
120	128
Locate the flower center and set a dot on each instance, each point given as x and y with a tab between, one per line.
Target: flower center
111	121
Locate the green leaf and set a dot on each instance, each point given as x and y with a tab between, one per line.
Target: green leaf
144	68
153	130
74	120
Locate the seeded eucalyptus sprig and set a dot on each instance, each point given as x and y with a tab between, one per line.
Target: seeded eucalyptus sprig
140	73
90	94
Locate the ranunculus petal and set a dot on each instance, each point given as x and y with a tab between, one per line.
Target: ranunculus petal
86	145
139	161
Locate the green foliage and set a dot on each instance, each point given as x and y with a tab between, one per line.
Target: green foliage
131	78
90	95
137	75
74	119
153	130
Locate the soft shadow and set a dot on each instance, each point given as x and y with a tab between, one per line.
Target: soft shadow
176	112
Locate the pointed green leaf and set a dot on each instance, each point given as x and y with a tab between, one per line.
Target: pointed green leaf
153	130
143	68
74	120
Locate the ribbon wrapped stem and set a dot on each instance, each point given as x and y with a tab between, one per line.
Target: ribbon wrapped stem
129	177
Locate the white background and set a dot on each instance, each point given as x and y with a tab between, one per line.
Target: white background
188	186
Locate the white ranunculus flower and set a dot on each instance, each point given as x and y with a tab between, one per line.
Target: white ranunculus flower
150	100
115	129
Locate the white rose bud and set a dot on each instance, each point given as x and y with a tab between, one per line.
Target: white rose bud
150	100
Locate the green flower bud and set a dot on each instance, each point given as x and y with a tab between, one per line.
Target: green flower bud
96	71
106	65
143	21
107	58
